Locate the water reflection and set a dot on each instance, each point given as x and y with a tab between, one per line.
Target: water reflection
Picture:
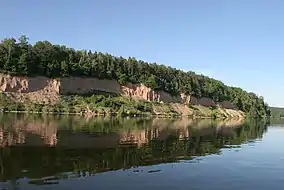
46	149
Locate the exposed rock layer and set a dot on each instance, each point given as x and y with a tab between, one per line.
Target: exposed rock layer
43	86
48	91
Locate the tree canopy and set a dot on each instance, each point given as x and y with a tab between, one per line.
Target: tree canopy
19	57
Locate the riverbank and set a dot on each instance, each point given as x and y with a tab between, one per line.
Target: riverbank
196	112
107	104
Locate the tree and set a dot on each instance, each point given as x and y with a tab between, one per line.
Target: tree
46	59
122	79
23	40
151	82
23	64
65	70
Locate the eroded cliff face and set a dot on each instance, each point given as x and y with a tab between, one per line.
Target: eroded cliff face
142	92
48	91
79	85
27	85
34	89
43	89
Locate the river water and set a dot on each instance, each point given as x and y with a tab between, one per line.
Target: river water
60	152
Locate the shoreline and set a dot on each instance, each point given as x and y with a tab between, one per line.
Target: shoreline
116	114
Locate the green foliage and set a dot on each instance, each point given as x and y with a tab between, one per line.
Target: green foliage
151	82
45	59
110	104
122	79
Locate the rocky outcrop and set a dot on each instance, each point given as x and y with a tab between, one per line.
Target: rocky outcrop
226	105
79	85
208	102
193	101
48	91
70	85
10	83
42	88
142	92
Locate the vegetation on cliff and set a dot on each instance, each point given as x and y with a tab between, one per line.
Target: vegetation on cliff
94	105
111	105
45	59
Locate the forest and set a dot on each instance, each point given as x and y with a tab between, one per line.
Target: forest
19	57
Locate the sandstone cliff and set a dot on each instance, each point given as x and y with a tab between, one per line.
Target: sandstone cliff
48	91
42	88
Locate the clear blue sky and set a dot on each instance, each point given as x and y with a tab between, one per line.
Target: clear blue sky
240	42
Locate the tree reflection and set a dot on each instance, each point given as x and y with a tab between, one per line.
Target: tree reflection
66	147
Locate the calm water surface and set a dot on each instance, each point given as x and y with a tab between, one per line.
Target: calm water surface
78	153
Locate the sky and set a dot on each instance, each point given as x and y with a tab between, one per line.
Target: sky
239	42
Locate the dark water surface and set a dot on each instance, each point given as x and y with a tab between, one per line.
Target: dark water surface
78	153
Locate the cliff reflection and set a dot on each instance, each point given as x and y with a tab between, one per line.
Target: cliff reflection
37	147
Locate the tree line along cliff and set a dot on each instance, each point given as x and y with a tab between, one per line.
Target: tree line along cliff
19	57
